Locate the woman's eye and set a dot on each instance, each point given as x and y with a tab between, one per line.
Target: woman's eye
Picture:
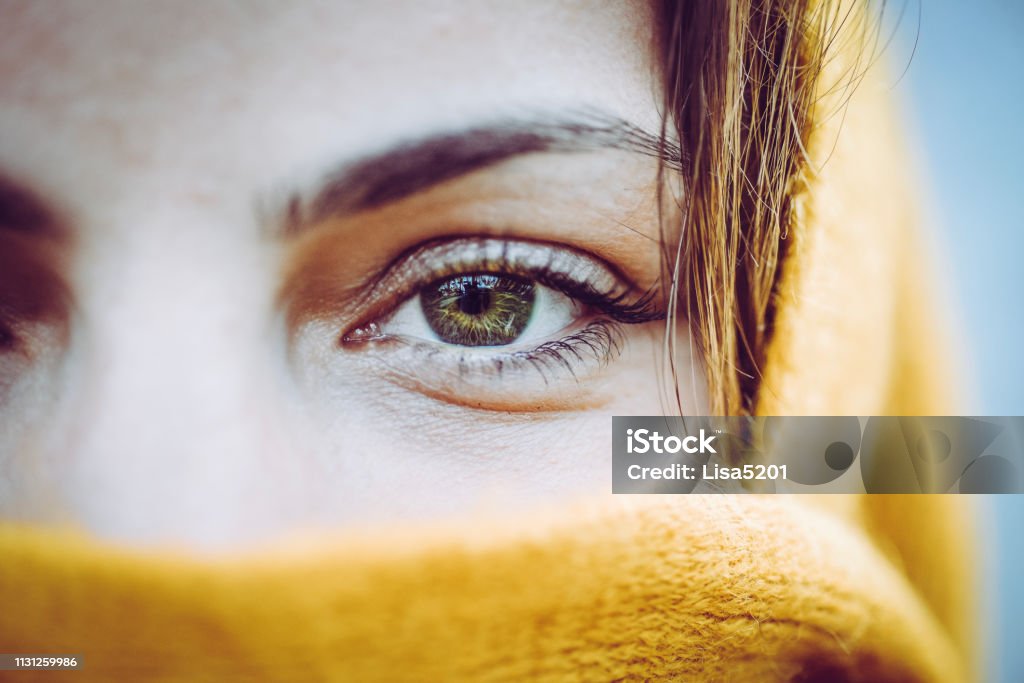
483	309
451	316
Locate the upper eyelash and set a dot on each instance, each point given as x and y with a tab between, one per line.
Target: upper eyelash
619	301
621	307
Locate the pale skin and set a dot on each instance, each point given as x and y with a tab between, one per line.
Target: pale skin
191	356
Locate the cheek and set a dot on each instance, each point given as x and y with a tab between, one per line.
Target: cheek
399	455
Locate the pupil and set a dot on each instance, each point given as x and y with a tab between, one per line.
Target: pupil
474	301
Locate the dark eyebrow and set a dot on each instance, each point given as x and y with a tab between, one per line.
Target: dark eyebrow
412	167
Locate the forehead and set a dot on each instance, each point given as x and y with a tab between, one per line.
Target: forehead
316	79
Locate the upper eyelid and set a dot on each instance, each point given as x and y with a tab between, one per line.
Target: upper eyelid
483	253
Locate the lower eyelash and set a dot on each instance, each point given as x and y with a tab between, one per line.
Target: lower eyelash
600	341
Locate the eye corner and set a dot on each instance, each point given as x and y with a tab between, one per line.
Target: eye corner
362	334
8	340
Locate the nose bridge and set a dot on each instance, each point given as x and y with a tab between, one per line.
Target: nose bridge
169	399
171	338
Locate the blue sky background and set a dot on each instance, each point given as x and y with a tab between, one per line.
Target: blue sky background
964	97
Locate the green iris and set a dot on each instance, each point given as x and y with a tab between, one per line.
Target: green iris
478	310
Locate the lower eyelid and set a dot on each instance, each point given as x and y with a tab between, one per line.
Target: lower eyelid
549	376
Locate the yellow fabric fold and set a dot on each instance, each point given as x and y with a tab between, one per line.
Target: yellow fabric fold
724	588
